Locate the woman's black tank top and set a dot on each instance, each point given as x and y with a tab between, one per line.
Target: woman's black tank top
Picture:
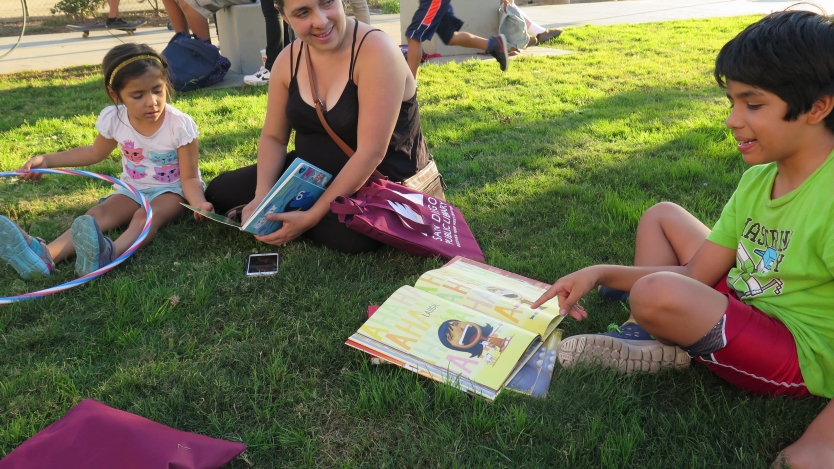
406	153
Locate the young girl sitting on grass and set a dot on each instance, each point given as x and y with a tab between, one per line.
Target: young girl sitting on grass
158	144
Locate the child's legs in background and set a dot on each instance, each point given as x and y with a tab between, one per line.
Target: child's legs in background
426	21
166	208
197	22
114	8
277	35
668	235
114	212
464	39
361	11
415	55
176	16
185	19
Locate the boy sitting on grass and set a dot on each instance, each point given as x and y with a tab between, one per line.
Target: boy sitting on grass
753	298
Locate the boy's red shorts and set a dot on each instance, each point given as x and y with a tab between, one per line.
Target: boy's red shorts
759	353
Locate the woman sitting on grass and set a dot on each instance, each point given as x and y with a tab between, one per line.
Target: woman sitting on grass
158	144
370	101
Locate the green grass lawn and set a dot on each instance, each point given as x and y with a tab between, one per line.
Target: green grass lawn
552	164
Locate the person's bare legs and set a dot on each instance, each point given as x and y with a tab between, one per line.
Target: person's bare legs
414	56
668	235
673	308
197	22
176	16
166	208
116	211
114	8
185	19
676	309
464	39
361	11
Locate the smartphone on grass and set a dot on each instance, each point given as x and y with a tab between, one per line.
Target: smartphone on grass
262	264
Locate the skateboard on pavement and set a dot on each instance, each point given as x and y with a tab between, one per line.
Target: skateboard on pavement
128	28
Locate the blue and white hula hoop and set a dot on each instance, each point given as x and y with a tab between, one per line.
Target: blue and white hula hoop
98	273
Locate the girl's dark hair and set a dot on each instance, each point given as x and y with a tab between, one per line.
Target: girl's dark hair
788	53
124	52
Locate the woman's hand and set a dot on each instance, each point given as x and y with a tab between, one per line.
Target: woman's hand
570	289
38	162
294	223
207	206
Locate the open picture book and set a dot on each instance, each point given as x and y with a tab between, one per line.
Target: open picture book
469	325
298	188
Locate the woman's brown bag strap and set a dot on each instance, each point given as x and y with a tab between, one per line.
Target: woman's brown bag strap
320	111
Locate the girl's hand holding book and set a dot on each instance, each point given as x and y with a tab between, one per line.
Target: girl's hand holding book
207	206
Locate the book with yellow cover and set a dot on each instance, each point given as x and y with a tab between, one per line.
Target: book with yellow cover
467	324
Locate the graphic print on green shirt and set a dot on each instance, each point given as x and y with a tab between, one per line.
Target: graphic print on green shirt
762	260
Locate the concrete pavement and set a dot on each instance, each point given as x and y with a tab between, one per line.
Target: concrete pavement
52	51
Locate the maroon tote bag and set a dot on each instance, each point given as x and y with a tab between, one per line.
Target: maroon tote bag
407	219
94	436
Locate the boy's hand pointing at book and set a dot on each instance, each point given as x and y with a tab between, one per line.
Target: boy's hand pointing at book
570	289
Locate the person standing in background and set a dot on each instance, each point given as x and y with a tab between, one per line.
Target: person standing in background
279	34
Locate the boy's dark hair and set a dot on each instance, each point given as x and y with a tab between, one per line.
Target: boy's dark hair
788	53
116	77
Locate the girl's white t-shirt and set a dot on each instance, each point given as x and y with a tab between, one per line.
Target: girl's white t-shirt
148	162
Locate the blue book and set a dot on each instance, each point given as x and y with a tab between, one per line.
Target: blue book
298	189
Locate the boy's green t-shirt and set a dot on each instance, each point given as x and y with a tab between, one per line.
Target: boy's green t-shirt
785	261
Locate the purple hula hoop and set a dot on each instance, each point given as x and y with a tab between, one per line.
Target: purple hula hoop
98	273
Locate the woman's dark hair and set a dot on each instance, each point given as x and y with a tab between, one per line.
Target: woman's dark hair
280	4
118	68
788	53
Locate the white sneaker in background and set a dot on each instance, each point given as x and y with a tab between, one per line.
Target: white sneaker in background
261	77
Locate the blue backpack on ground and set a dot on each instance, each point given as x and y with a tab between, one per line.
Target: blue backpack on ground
193	63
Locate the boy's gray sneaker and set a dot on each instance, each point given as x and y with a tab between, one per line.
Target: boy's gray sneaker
497	47
26	254
627	348
93	250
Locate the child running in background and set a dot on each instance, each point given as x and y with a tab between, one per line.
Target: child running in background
158	144
437	16
753	298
